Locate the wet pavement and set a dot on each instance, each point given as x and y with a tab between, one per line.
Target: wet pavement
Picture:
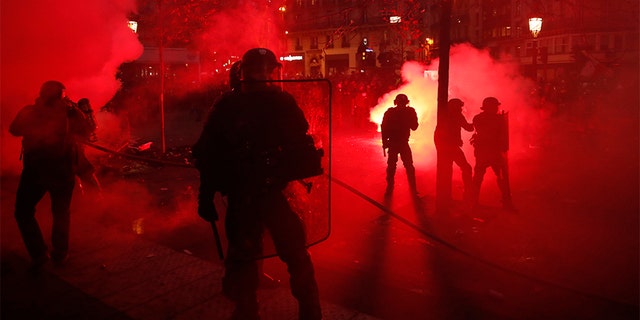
569	252
121	275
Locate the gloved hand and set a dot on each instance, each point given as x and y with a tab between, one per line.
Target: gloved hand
385	144
207	210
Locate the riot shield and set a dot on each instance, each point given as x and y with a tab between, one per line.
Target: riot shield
310	198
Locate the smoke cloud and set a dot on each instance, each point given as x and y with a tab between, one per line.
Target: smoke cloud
473	76
80	43
253	26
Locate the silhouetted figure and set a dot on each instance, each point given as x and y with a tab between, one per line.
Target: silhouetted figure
491	143
449	145
235	84
235	76
49	129
85	170
238	155
396	127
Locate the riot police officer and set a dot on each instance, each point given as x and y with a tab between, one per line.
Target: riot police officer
490	144
237	155
449	142
49	129
396	127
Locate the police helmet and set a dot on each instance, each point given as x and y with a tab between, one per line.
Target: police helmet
401	99
85	105
234	75
490	103
259	60
455	103
52	90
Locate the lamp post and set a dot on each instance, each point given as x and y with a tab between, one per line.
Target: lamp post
133	25
161	74
535	25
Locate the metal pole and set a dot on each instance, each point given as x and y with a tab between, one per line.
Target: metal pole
534	63
444	169
161	74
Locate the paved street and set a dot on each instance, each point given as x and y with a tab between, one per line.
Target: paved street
569	252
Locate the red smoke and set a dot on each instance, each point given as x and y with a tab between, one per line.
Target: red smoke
473	75
80	43
233	31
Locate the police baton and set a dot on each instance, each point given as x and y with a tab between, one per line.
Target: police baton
216	235
384	151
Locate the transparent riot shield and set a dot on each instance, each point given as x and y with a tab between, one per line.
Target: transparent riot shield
309	197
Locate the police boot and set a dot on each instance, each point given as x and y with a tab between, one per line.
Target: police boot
309	311
411	178
309	305
467	182
507	204
246	309
475	192
389	190
390	180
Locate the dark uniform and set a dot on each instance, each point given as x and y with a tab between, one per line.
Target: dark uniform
85	170
48	129
490	144
396	127
237	155
449	142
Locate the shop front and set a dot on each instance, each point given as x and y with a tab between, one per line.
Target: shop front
337	64
293	65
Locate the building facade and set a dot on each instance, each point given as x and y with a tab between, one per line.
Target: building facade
585	37
330	37
578	37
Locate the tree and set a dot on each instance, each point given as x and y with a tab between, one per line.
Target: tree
410	26
174	23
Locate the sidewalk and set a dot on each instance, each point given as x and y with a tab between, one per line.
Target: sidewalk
128	277
112	273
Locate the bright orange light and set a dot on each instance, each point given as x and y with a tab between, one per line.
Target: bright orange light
138	226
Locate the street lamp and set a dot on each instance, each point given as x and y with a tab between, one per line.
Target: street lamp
428	44
535	25
133	25
427	49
